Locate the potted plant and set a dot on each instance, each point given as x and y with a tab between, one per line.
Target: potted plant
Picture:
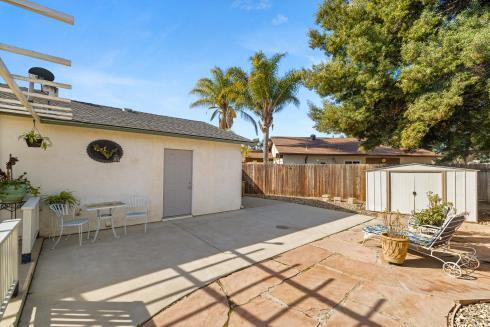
394	242
14	189
434	215
64	197
34	139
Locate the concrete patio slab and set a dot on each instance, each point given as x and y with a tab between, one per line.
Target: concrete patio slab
264	312
315	291
209	307
126	281
325	284
249	283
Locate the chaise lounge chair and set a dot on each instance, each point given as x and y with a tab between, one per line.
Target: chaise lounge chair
436	242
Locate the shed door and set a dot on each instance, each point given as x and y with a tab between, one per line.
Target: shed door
402	186
409	190
177	175
425	182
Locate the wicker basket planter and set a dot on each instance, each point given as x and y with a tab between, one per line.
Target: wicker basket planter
394	248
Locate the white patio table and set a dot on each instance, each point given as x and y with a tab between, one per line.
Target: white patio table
103	206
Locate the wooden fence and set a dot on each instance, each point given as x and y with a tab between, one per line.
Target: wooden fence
346	181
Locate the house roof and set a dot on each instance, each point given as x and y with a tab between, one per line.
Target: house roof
104	117
338	146
254	154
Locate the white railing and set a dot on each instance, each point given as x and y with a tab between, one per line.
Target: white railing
9	261
30	227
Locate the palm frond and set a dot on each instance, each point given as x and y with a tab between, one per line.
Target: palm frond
250	119
213	115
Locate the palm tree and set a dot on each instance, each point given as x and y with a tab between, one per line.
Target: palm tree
223	93
267	93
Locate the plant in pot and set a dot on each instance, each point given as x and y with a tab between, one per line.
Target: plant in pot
34	139
64	197
434	215
12	189
394	242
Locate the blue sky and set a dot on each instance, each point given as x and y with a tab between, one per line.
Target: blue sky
147	55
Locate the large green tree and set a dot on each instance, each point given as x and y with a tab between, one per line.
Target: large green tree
407	73
267	93
223	94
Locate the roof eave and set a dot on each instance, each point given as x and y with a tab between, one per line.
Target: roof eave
137	130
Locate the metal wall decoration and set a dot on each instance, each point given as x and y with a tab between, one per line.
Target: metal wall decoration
105	151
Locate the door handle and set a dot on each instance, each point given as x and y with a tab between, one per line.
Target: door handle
414	193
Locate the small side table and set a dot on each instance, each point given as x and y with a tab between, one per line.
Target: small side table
104	206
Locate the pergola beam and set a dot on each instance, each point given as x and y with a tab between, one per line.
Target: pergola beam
45	11
37	95
34	54
41	81
4	72
37	105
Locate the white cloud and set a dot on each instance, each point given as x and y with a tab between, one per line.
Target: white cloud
316	59
252	4
279	19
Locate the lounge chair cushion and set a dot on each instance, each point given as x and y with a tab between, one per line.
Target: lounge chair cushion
419	239
375	229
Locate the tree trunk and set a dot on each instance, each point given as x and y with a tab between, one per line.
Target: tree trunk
265	132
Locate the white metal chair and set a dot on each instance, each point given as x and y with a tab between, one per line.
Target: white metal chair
66	219
137	208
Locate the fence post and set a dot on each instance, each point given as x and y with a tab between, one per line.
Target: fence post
30	227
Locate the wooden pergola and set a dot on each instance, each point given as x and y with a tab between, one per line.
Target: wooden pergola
30	102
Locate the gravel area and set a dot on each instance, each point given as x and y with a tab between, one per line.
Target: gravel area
473	315
314	202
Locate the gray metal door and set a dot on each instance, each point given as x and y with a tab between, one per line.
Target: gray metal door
177	185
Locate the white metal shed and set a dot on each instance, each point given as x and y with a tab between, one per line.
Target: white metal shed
404	188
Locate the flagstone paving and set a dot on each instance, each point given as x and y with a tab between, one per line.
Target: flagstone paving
335	281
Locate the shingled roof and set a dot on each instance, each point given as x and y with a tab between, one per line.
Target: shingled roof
105	117
338	146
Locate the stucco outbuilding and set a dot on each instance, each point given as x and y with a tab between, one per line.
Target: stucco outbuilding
159	154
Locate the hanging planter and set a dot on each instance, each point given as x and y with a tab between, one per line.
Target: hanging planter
34	143
34	139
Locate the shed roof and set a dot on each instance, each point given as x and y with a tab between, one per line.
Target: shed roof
420	167
338	146
105	117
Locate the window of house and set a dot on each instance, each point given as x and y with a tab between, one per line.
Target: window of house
352	162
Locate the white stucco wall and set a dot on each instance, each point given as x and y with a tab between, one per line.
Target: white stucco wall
66	166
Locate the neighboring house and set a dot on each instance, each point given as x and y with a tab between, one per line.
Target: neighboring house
184	167
322	150
256	156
